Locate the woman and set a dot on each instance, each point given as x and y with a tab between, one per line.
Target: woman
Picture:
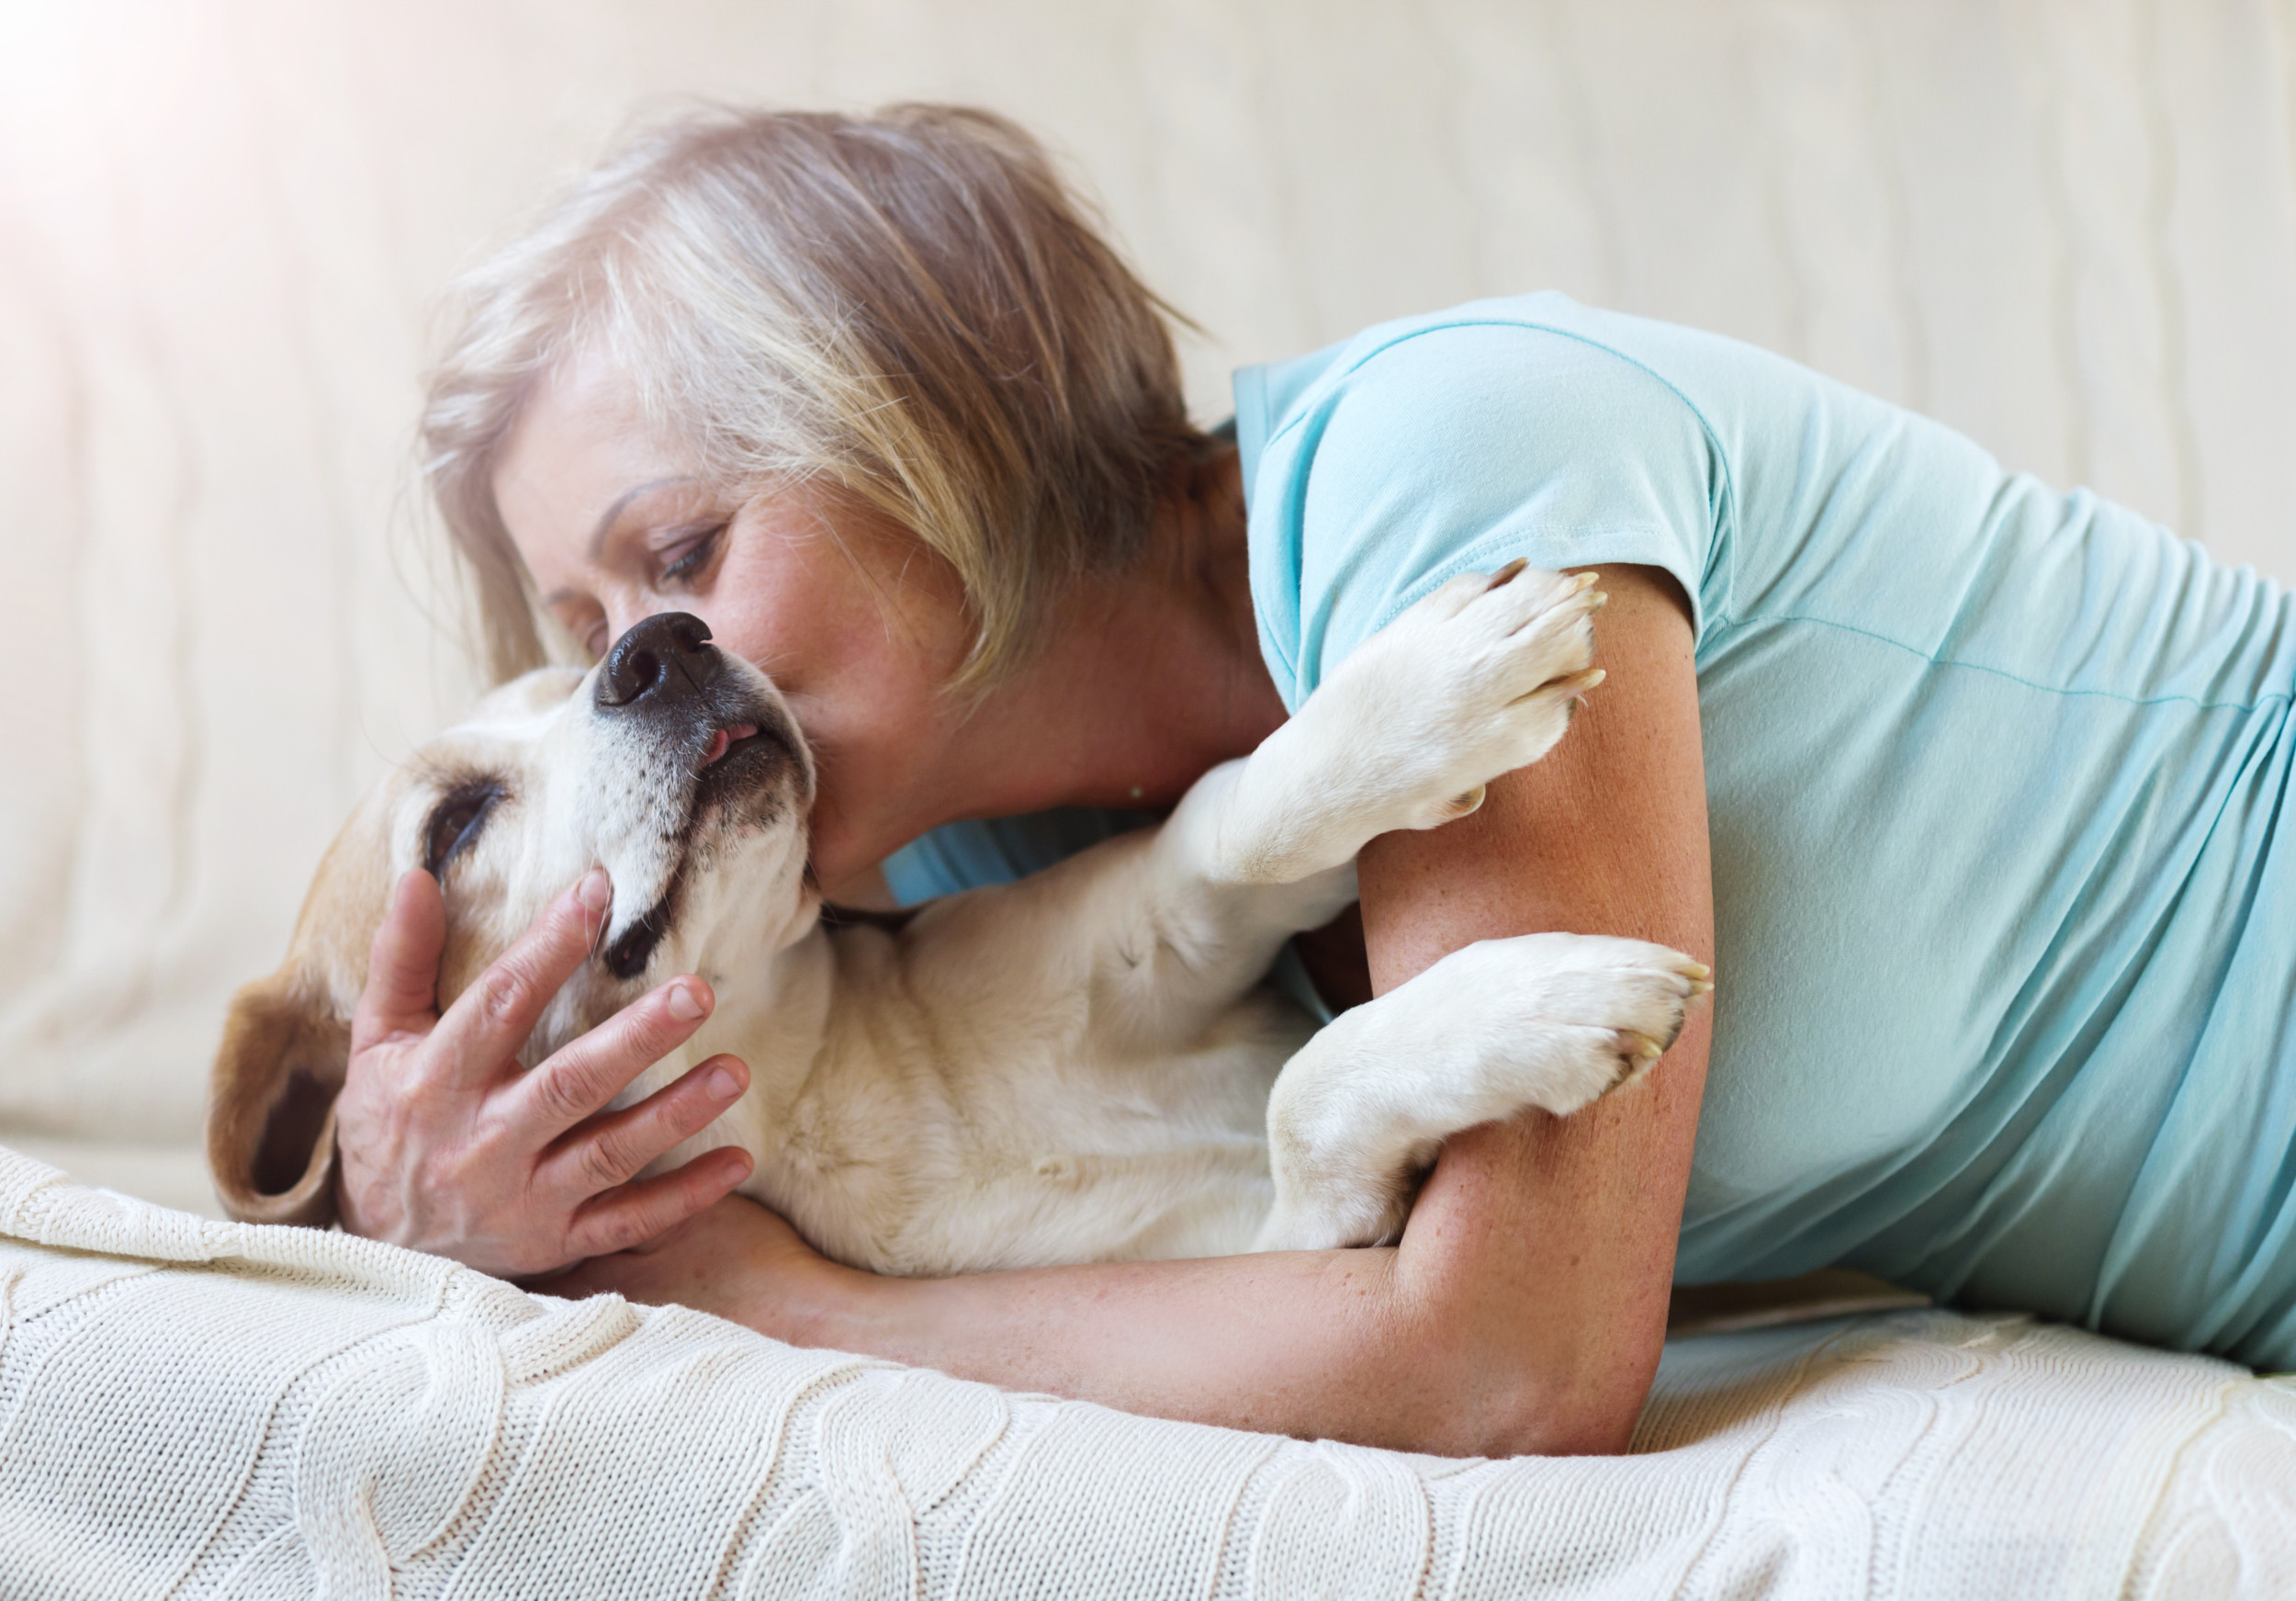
1971	787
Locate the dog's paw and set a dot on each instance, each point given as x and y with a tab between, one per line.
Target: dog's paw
1337	1216
1477	679
1567	1019
1547	1021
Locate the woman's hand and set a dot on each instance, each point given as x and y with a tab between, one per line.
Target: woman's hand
447	1146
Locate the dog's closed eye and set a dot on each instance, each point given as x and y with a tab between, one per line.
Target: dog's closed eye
457	822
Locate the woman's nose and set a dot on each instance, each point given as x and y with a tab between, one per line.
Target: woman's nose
664	659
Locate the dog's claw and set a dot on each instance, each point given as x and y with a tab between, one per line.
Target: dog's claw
1638	1048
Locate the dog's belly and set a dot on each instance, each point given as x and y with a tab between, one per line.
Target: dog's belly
1058	1147
1205	1199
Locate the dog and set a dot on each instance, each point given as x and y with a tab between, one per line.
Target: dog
1086	1064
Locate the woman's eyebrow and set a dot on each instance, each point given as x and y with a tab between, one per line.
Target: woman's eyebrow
605	523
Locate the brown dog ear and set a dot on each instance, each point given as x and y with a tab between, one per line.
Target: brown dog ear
271	1104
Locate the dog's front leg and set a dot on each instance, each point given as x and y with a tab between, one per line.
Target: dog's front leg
1547	1021
1475	681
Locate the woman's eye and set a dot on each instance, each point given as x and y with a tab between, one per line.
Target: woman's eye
690	560
454	827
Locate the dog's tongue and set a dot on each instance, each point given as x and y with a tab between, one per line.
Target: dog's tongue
721	742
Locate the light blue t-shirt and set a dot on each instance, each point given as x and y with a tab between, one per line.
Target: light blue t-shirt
2006	939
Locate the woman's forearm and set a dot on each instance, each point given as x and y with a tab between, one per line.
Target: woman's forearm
1276	1342
1377	1346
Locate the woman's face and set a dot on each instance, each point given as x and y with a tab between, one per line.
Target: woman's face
861	627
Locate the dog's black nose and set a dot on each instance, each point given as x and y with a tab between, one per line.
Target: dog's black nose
668	657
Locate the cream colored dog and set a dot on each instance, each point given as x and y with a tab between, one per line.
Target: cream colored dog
1082	1065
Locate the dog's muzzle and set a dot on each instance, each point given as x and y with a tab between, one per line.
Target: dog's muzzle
714	731
666	676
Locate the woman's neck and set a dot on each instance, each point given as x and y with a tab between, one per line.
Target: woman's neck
1149	679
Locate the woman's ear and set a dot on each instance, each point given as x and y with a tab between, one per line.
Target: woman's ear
271	1103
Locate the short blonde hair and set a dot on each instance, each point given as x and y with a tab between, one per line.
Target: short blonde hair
910	308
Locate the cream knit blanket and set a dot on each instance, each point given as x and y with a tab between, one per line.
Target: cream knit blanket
197	1408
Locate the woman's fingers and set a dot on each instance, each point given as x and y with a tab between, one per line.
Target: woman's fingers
624	1219
586	1073
401	993
489	1020
610	1147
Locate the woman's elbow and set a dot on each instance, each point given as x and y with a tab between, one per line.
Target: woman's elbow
1482	1397
1543	1418
1570	1426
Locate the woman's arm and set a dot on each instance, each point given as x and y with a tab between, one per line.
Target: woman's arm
1606	836
1526	1305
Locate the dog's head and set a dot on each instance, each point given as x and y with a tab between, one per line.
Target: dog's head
671	763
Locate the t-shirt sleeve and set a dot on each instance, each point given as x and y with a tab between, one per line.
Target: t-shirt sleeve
1459	449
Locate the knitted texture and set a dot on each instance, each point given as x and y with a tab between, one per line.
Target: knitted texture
192	1408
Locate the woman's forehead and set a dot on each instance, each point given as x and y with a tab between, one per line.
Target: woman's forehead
579	458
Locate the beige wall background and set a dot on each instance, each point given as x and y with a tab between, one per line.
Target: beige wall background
2067	226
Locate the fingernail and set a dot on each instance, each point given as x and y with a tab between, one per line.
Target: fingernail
596	889
685	1003
722	1084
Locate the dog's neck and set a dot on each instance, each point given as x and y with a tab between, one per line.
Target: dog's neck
775	1015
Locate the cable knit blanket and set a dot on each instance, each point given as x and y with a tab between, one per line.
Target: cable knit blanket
196	1408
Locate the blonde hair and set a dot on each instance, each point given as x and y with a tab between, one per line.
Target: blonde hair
910	308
